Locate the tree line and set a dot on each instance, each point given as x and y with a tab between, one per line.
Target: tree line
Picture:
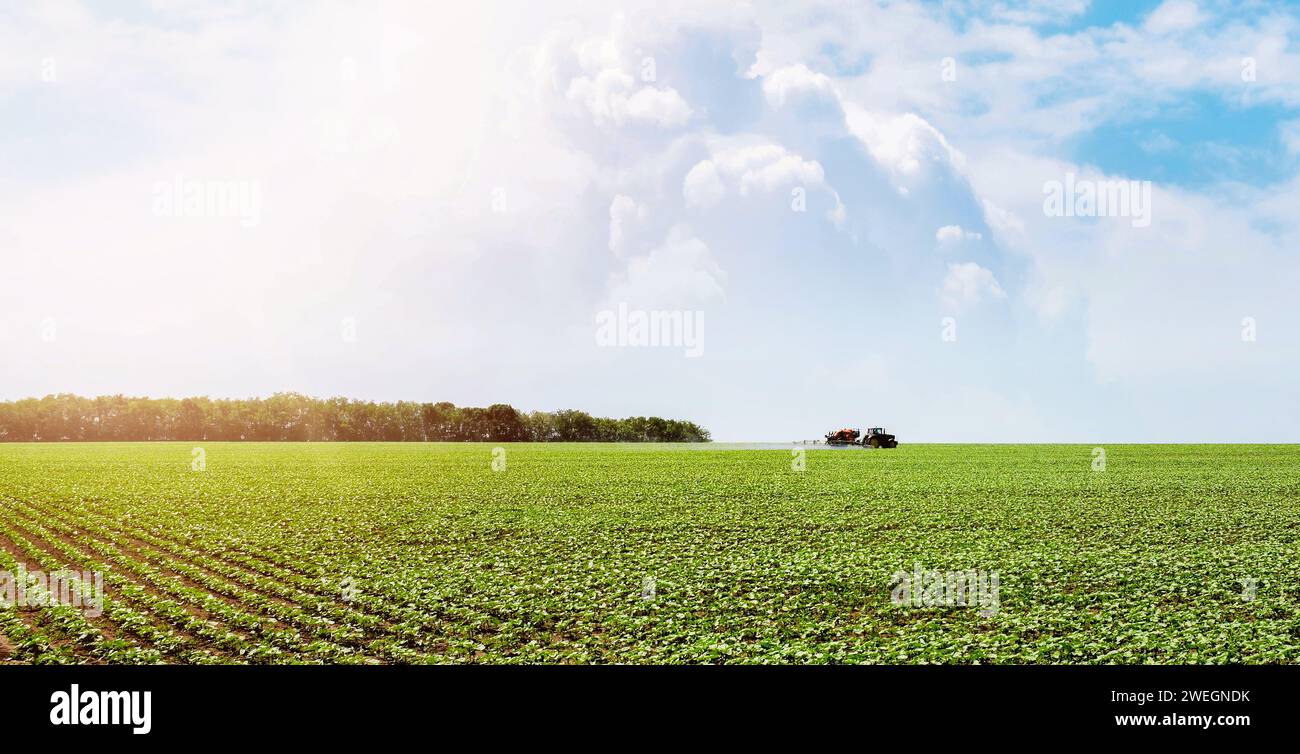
294	417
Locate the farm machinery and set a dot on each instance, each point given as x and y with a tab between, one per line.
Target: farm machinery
876	437
843	437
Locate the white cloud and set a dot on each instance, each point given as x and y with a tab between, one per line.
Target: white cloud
623	211
681	273
1173	15
954	233
1141	293
755	168
613	99
1001	220
768	167
703	186
1035	12
1050	303
784	85
664	107
967	284
906	144
1290	132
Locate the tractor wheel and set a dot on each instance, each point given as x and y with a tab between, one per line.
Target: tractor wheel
874	442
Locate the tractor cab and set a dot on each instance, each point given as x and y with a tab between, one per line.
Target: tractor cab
877	437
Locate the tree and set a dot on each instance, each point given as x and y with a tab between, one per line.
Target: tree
295	417
505	424
192	422
574	426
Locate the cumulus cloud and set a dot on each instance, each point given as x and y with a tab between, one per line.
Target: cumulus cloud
623	212
679	273
1173	15
954	233
703	185
1290	132
905	144
1001	220
767	167
1033	12
785	85
756	168
967	284
613	99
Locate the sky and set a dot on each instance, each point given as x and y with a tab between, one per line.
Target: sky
833	214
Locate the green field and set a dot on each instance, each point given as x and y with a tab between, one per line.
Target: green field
382	553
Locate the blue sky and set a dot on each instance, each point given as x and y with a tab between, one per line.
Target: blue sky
1202	140
406	201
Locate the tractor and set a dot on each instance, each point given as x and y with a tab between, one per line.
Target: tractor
877	437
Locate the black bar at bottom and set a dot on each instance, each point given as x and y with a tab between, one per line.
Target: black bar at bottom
573	703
